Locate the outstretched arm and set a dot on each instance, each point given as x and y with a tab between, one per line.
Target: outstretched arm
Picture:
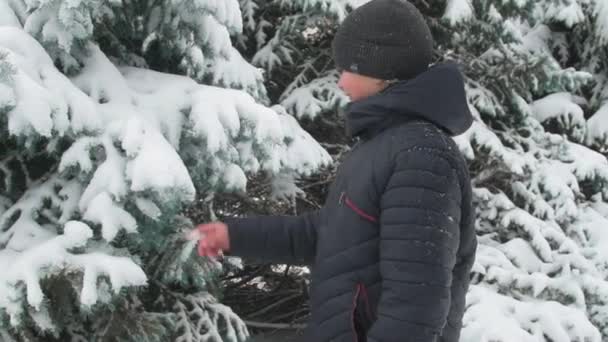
285	239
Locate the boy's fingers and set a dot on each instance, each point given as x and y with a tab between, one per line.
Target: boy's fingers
212	243
200	232
194	234
203	227
201	249
206	251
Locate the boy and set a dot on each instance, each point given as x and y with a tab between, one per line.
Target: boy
394	243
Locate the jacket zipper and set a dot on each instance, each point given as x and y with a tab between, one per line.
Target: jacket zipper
368	309
346	200
352	313
360	295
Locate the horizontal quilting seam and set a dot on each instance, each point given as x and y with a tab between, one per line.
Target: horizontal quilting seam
419	283
363	242
420	242
411	302
447	156
413	185
407	321
431	161
324	280
417	208
372	284
416	169
423	226
332	314
407	186
368	285
342	332
439	152
329	309
405	261
328	315
415	226
437	166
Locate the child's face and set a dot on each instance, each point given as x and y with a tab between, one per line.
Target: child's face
358	87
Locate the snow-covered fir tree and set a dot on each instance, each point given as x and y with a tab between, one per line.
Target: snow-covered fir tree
98	153
291	40
541	192
113	115
537	82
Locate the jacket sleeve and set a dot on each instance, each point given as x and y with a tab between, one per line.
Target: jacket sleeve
280	239
419	238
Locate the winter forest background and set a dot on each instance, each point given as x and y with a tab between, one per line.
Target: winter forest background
125	123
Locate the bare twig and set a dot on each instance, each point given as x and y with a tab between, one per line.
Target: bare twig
313	204
292	315
321	182
275	325
247	278
272	306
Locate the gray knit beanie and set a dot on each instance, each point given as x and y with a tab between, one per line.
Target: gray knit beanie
385	39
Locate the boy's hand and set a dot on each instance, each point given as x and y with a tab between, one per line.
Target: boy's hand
212	238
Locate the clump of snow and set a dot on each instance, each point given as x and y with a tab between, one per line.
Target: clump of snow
565	108
558	104
313	98
7	15
50	95
568	12
491	316
148	207
482	100
302	154
39	260
199	309
103	210
234	178
593	222
5	336
601	17
536	39
479	137
284	188
64	28
585	164
226	12
458	11
122	271
234	71
272	54
338	8
597	126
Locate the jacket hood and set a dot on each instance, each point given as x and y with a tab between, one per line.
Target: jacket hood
437	95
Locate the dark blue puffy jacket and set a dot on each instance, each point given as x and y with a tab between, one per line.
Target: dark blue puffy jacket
392	247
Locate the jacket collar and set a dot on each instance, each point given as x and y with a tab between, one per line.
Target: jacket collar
437	96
